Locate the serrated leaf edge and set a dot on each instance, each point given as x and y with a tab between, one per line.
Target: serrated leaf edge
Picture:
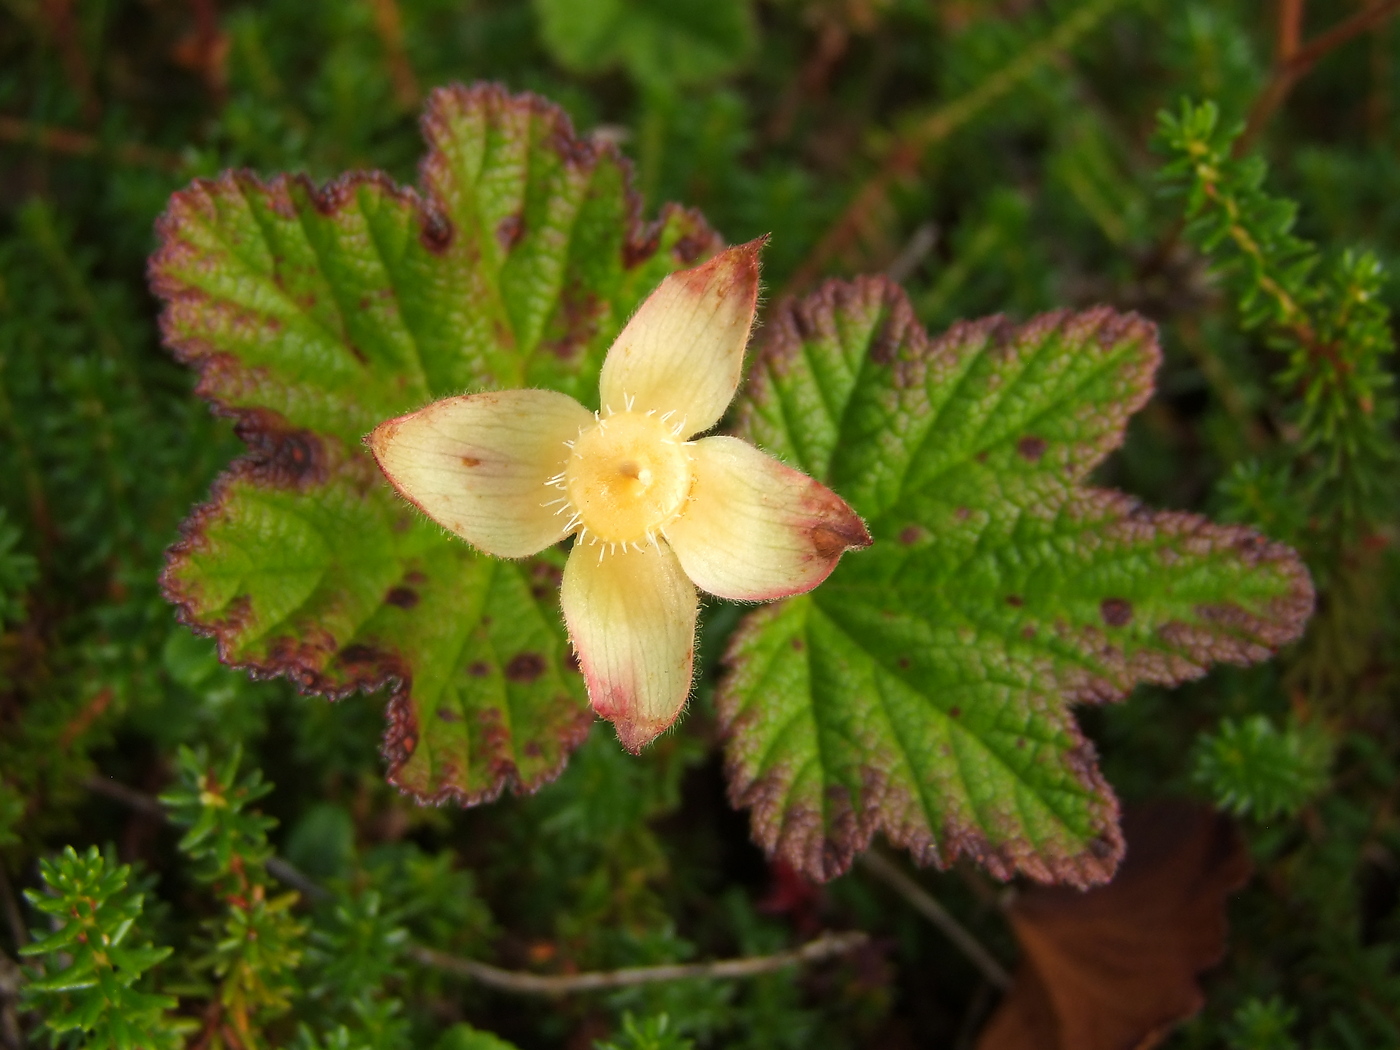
283	456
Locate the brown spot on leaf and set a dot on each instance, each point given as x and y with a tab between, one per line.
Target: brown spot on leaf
1015	600
403	597
358	653
1117	967
884	344
479	669
1116	612
509	231
981	457
955	711
436	232
910	534
471	461
689	248
447	714
798	645
1031	448
525	667
278	455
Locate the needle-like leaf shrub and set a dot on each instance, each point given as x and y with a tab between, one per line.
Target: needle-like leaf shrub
95	958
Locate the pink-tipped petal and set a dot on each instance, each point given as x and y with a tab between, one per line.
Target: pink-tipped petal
756	530
631	617
480	465
683	350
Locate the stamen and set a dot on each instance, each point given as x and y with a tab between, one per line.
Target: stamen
629	401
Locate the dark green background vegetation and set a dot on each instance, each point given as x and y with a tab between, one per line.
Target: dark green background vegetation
993	157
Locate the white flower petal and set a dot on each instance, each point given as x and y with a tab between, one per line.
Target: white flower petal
755	529
631	616
683	350
480	465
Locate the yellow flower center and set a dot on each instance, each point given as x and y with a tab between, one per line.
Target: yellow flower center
628	476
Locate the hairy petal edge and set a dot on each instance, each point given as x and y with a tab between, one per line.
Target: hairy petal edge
480	464
631	616
757	530
683	350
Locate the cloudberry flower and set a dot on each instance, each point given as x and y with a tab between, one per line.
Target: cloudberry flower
653	512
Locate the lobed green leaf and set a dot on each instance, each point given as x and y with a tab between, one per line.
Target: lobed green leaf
924	689
313	314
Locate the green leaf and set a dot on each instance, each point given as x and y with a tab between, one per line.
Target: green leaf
924	689
314	314
663	44
465	1037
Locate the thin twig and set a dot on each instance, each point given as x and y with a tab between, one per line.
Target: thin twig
923	241
283	871
924	904
1289	71
1289	31
143	803
823	947
288	873
81	144
902	159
